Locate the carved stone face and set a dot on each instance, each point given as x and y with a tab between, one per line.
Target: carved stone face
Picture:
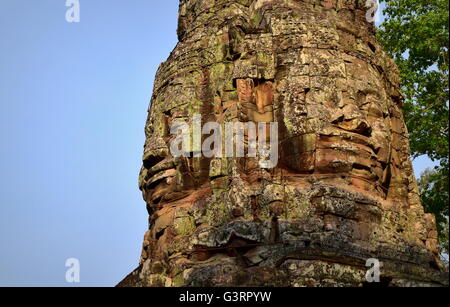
344	185
335	121
338	122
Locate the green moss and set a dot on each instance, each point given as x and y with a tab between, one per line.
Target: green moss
217	74
178	281
218	213
256	19
288	124
184	226
264	59
142	177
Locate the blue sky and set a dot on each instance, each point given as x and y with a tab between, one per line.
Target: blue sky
73	101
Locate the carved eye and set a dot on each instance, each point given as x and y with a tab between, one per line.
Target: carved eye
372	47
152	160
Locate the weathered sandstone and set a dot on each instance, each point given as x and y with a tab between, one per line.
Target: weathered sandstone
344	190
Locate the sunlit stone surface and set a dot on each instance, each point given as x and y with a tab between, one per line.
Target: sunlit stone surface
344	189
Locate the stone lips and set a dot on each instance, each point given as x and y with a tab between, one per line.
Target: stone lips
344	190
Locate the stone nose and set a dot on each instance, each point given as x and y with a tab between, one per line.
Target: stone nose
357	125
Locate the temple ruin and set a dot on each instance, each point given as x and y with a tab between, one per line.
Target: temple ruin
344	189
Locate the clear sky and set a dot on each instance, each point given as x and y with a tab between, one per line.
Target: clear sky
73	102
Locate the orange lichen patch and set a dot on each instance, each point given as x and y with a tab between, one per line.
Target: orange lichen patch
245	90
264	96
191	197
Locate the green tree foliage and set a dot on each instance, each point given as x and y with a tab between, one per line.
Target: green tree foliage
415	33
434	188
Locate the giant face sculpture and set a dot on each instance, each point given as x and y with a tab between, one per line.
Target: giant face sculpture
343	190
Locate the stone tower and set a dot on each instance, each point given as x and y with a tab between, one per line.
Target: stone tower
343	190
